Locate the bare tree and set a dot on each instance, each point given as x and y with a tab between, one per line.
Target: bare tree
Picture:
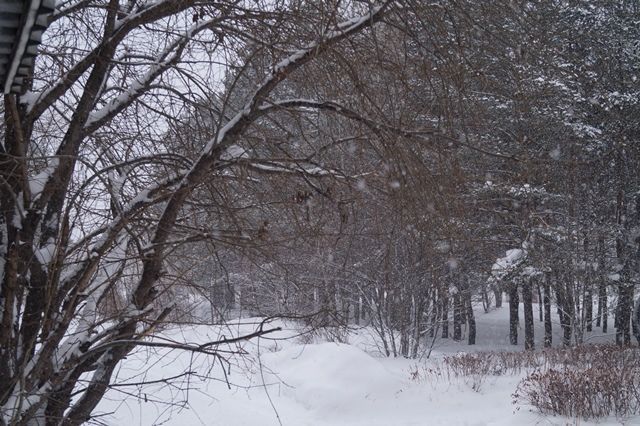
94	197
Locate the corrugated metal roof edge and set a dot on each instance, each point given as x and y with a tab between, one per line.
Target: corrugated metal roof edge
26	39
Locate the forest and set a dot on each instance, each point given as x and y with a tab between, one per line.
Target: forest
399	165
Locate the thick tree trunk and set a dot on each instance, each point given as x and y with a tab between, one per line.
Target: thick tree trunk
635	321
346	310
625	288
623	310
498	295
463	301
528	316
566	328
404	343
514	318
406	310
603	310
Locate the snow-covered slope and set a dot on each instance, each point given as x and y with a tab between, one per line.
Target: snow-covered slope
280	380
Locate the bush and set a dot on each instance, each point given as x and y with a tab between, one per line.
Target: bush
586	382
476	367
491	363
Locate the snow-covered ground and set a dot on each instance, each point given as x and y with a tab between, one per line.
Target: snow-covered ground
284	379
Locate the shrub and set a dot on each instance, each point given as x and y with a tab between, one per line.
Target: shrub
586	382
589	381
476	367
491	363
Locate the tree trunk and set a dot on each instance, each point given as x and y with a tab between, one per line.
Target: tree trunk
625	288
434	317
498	294
599	314
404	343
457	317
445	317
540	302
602	306
588	309
419	325
635	320
463	301
381	330
528	315
623	310
407	314
486	303
547	315
566	315
514	319
471	320
356	310
566	328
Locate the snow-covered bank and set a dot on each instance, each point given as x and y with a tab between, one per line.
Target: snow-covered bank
282	380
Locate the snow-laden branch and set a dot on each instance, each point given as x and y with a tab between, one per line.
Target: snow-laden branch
78	281
146	14
377	126
511	262
209	348
228	134
124	334
169	57
294	61
104	278
291	167
144	198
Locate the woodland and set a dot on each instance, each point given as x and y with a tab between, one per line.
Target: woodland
399	164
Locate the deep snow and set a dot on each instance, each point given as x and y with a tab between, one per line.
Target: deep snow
284	379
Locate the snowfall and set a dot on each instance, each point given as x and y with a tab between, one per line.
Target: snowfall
290	377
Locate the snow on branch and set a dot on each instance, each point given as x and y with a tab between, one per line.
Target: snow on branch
511	262
293	167
104	237
169	57
71	347
283	68
208	348
228	135
146	14
376	126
